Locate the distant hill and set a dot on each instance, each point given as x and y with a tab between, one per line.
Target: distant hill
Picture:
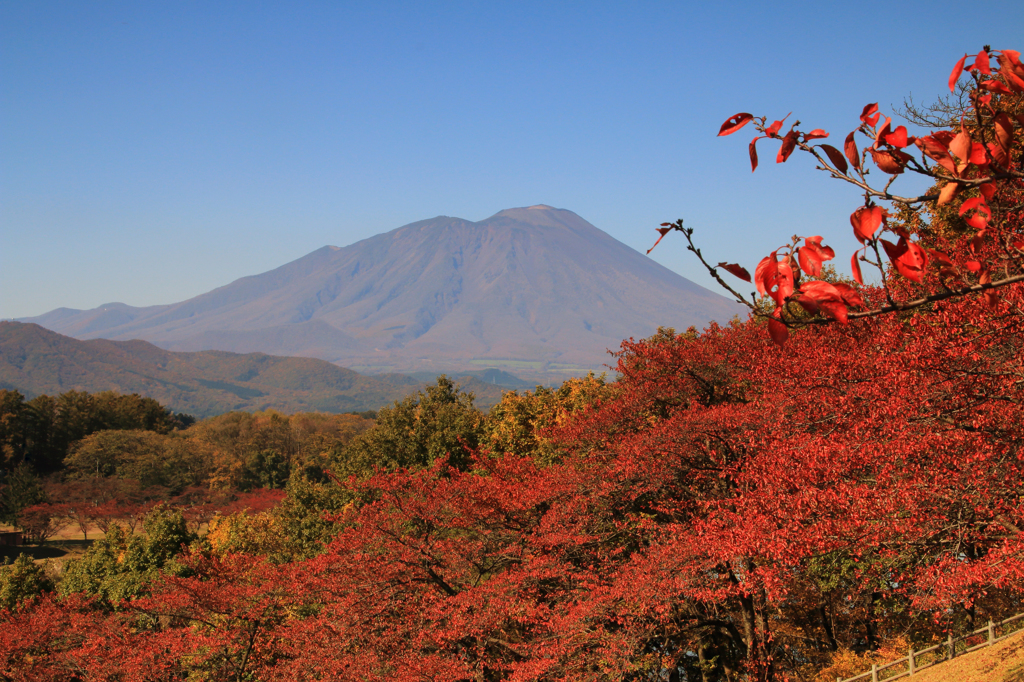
37	361
535	291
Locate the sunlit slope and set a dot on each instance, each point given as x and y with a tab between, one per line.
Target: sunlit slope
1002	662
527	284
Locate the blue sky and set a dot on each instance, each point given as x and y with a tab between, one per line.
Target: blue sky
150	152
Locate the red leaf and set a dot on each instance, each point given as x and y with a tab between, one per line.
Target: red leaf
1011	69
850	295
774	278
820	291
908	258
753	154
852	153
736	270
982	213
994	86
988	190
662	231
866	221
809	304
947	193
1004	130
933	147
788	145
827	297
961	146
973	265
784	282
836	158
998	154
866	114
883	131
766	270
955	76
813	254
734	124
888	162
981	63
941	257
978	157
815	134
778	331
775	127
809	261
898	138
835	309
855	266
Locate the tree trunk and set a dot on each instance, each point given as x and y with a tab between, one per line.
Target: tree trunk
826	623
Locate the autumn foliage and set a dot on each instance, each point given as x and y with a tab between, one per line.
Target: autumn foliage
725	510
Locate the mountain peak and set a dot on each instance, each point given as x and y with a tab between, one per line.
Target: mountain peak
533	288
540	215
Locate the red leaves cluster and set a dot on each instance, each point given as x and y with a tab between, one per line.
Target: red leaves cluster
976	158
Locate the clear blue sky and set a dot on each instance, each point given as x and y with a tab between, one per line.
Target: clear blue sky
150	152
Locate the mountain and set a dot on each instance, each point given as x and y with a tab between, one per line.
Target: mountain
536	291
37	361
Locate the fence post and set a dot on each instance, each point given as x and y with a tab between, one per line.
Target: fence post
910	659
874	672
991	633
951	645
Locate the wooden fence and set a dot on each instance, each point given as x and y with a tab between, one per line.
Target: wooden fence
953	646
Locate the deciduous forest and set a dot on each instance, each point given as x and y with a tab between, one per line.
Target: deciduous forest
791	496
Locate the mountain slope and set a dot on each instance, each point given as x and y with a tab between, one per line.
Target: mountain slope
35	361
528	288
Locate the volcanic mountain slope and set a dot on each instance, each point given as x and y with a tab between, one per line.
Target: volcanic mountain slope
525	287
37	361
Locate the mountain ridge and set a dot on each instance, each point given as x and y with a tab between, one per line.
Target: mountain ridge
35	361
535	288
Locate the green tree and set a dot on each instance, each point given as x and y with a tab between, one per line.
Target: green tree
302	515
264	469
21	580
437	422
152	459
50	426
121	565
13	412
21	488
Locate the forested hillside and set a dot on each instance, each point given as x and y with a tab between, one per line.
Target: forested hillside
36	361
